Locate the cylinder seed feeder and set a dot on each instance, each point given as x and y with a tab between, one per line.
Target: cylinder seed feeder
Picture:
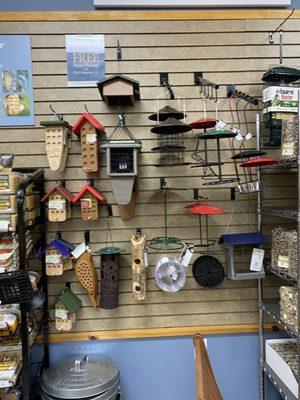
207	270
169	130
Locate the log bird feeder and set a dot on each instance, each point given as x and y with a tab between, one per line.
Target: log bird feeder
138	242
122	167
207	270
58	141
88	130
59	203
119	90
169	131
237	241
89	198
109	270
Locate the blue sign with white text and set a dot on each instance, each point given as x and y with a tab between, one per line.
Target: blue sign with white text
85	59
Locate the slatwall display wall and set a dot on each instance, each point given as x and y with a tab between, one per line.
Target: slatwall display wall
227	52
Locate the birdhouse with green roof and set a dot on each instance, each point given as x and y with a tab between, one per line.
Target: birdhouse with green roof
65	310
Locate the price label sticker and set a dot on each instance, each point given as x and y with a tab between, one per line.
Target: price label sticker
62	314
186	255
220	124
58	205
248	136
91	138
79	250
283	262
4	225
257	260
53	258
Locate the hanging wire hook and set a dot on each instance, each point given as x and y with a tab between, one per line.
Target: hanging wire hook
86	109
271	35
57	116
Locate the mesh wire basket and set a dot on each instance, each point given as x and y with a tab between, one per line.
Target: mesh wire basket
15	287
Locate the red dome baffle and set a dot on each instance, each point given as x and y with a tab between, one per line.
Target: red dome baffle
259	162
204	123
204	209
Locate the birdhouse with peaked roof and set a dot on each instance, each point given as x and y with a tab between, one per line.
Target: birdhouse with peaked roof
58	139
65	310
119	90
88	129
57	256
89	198
59	203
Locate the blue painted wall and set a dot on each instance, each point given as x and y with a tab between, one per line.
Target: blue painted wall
163	369
62	5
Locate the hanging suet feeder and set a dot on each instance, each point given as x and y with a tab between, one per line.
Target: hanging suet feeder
165	242
59	203
237	240
88	129
122	167
207	270
109	272
58	141
89	198
119	90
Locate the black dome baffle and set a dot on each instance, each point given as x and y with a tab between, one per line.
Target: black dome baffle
208	271
248	154
171	126
166	112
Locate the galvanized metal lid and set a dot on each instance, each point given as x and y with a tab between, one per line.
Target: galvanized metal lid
80	377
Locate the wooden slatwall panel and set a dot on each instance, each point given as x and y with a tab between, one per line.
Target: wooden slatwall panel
235	51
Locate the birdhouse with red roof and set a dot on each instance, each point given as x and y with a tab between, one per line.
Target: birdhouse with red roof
88	129
89	198
59	203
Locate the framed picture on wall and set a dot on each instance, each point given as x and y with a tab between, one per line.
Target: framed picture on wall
85	59
16	88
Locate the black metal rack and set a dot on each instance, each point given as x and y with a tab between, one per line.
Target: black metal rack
35	177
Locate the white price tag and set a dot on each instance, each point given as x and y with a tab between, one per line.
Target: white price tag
62	314
248	136
146	260
4	225
236	130
79	250
186	255
220	124
238	137
91	138
53	258
283	262
257	260
58	205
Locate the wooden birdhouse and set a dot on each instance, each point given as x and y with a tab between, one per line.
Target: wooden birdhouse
89	198
118	90
65	310
88	129
58	140
57	256
59	203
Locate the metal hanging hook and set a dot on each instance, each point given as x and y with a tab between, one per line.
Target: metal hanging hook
86	109
57	116
271	35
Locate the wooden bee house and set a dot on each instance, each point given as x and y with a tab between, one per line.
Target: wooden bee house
57	256
65	310
87	129
118	90
59	204
58	139
89	198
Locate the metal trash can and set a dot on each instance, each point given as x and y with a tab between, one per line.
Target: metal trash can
82	377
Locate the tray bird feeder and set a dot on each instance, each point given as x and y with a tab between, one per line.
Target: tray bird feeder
58	256
66	306
89	198
58	141
88	130
169	131
59	203
119	90
238	240
207	270
122	167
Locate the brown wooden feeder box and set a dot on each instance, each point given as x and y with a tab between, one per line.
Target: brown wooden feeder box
89	198
88	129
119	90
59	203
58	140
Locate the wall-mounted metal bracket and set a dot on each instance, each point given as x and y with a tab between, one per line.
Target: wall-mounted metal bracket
68	285
109	210
138	231
164	81
86	237
163	182
196	194
232	193
230	89
90	182
197	78
119	51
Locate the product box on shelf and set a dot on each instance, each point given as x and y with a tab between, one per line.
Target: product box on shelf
283	98
281	363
